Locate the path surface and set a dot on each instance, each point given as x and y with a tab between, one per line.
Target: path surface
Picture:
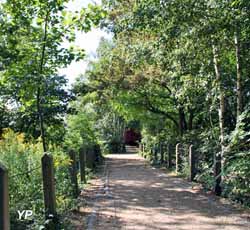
134	195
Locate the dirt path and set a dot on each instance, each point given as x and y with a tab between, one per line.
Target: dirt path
133	195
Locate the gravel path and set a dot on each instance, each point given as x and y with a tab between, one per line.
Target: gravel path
134	195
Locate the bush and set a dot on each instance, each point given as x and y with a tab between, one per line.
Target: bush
23	160
237	164
237	179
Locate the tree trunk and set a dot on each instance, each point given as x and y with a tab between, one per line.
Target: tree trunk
190	119
221	97
182	120
40	116
220	156
38	99
239	74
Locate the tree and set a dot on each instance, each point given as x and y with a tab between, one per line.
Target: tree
33	33
181	62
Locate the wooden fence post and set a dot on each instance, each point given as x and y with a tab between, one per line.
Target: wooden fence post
178	158
73	173
89	157
155	153
143	150
82	159
4	199
151	155
98	153
123	147
217	174
169	156
49	186
192	169
162	152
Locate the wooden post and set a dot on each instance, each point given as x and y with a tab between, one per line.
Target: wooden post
170	156
98	153
217	174
151	155
143	150
4	199
123	148
155	153
89	157
95	153
162	153
49	186
192	170
82	158
178	158
73	173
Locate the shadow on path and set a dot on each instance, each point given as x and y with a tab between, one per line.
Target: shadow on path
141	197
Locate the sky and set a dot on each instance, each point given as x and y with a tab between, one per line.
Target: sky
88	41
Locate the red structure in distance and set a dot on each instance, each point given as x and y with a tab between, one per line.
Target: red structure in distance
131	137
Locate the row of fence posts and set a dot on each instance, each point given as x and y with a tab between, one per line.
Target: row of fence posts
163	149
87	158
192	161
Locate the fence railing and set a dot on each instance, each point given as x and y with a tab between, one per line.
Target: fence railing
86	158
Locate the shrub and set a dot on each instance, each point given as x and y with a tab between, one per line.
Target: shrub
23	160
